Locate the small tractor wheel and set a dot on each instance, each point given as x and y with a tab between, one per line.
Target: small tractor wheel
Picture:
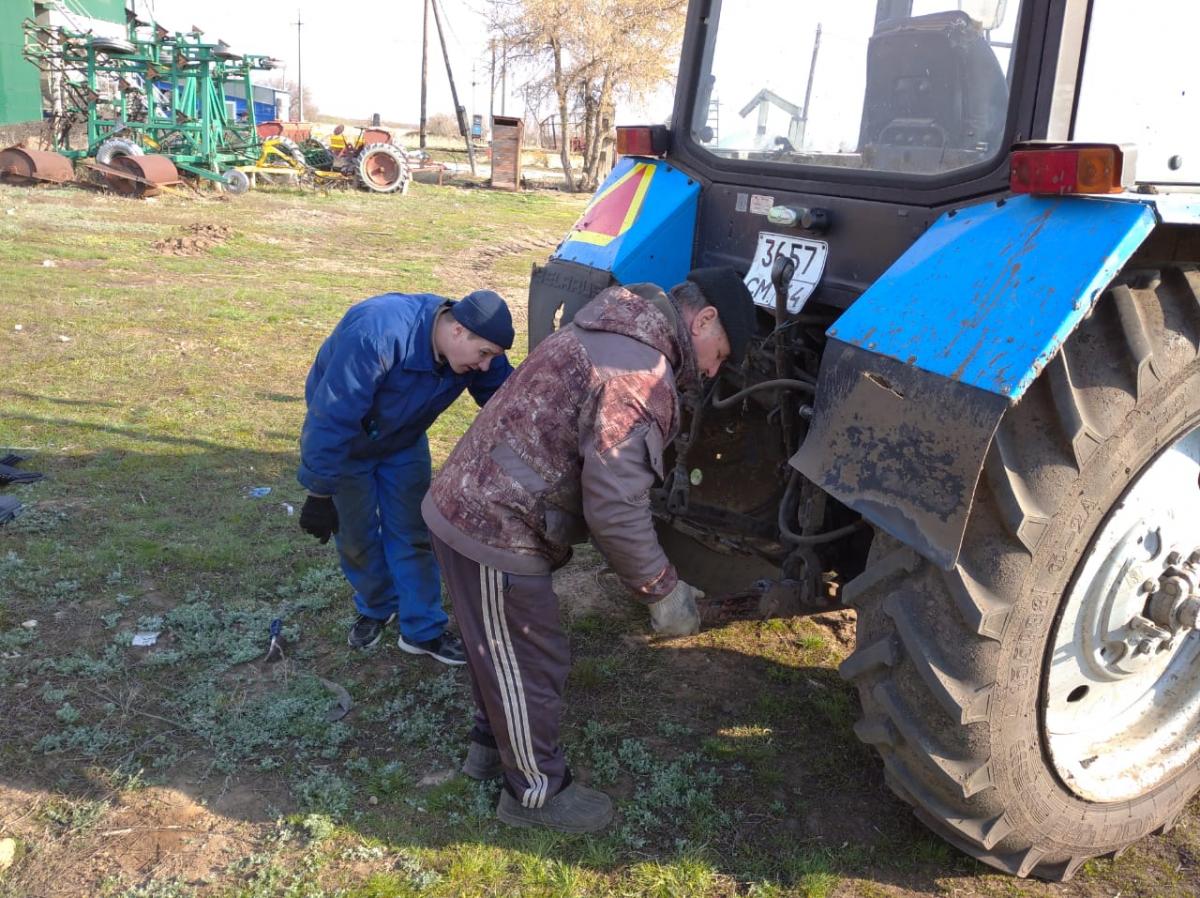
1036	705
117	146
236	182
383	168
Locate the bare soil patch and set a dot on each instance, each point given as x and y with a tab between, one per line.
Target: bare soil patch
197	238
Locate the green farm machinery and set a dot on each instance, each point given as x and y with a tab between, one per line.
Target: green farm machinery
149	108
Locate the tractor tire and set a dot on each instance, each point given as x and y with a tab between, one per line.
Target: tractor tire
383	168
117	146
999	711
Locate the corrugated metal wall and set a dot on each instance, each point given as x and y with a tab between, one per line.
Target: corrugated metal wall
20	84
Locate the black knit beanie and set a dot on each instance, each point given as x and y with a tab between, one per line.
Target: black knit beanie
728	294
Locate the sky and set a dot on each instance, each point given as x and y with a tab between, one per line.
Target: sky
359	57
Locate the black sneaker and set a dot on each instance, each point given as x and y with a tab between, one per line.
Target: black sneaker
367	631
446	648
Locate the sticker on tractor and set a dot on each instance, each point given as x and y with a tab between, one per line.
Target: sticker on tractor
761	204
613	211
809	256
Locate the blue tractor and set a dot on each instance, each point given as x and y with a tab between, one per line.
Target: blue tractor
972	408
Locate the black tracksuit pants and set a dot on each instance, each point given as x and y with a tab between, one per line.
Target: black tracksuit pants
518	658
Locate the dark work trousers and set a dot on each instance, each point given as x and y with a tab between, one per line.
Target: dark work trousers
384	545
518	657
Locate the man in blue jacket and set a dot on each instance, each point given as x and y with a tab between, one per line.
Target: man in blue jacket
391	366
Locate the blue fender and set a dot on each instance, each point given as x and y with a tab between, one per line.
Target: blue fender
639	225
919	371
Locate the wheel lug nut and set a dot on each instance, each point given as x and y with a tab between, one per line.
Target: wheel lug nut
1144	647
1150	586
1174	558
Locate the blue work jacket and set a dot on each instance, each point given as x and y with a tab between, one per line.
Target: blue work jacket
375	386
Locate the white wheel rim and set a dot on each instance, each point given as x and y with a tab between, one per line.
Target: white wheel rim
1121	707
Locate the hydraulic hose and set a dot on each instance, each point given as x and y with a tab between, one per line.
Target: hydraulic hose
780	384
812	539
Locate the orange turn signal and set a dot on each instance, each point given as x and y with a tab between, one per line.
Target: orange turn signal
1057	169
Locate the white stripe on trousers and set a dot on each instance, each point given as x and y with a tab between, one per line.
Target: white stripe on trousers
512	689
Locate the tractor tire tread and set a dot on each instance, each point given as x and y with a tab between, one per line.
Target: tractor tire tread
925	677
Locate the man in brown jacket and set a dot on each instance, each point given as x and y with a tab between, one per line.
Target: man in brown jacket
570	445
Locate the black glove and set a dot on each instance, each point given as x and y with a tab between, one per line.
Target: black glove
319	517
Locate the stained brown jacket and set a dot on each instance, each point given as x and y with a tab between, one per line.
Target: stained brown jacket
572	444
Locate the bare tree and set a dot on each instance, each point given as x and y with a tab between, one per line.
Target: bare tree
590	53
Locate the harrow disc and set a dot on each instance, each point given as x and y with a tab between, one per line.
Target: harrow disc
141	175
22	165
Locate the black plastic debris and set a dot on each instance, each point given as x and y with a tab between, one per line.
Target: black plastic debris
9	474
9	509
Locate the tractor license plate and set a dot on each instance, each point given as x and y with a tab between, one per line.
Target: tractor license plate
809	256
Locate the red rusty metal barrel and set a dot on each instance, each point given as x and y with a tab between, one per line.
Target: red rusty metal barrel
21	164
145	174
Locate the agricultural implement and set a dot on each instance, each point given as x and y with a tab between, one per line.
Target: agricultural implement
153	99
975	389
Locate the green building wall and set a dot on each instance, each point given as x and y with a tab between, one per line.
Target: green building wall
105	10
20	82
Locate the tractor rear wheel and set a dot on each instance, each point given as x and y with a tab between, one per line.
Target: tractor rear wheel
1039	704
383	168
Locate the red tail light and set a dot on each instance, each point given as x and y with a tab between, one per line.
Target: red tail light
643	140
1056	169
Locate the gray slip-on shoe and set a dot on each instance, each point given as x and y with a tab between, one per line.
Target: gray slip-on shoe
482	763
576	809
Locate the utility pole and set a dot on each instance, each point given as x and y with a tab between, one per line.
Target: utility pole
492	100
459	111
299	71
503	75
424	69
812	71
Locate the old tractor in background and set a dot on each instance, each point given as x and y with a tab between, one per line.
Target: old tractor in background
370	161
975	389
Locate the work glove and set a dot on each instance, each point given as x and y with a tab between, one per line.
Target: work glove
675	614
319	517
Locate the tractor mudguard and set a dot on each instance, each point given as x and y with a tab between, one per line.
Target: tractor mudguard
919	371
638	227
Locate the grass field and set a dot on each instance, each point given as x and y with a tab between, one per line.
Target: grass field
153	357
